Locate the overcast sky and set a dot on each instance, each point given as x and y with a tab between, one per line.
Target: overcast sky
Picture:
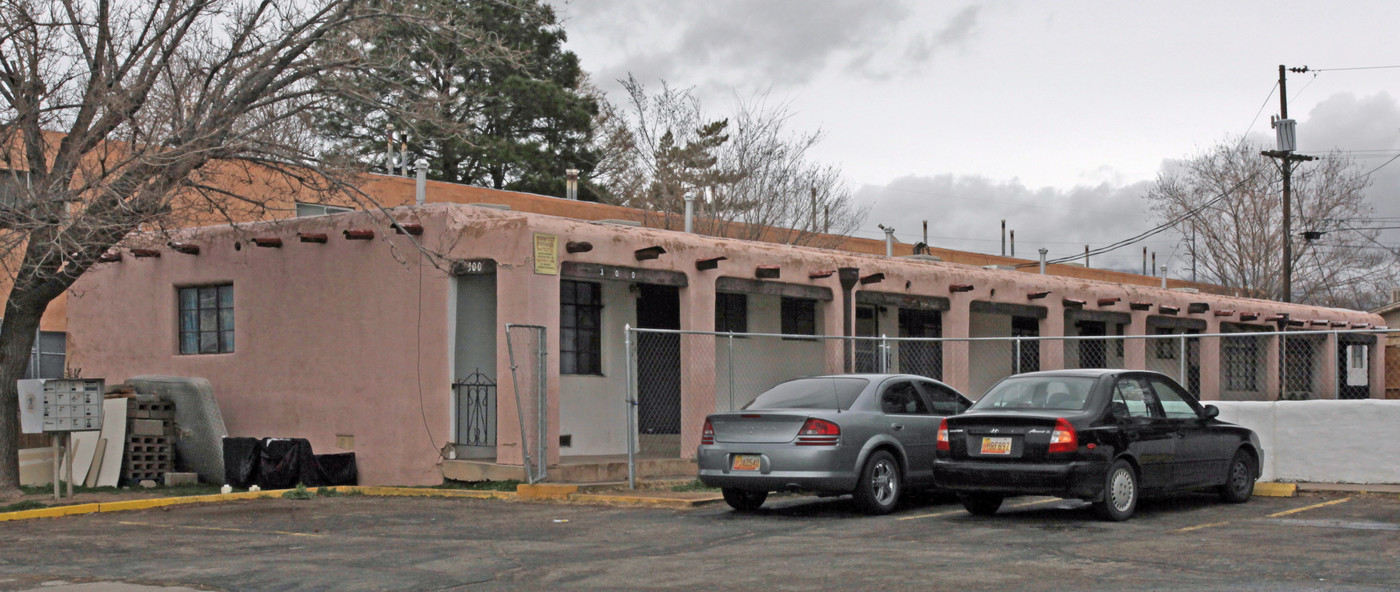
1053	115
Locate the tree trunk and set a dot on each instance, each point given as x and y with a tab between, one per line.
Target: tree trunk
21	324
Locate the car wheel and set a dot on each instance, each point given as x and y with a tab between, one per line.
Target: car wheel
1120	493
1239	485
743	499
981	504
877	491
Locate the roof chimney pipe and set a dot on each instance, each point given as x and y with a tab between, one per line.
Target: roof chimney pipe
421	189
571	184
1043	252
889	240
689	213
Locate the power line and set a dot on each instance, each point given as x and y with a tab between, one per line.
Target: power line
1355	68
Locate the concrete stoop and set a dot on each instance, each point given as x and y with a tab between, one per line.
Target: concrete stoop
568	472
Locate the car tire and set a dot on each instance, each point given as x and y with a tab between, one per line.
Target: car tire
879	486
1120	493
1239	484
981	504
744	500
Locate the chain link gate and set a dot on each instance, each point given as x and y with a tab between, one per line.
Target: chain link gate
529	378
675	377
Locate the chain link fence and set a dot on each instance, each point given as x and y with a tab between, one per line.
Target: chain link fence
529	372
676	378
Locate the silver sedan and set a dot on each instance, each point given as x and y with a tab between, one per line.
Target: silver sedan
870	435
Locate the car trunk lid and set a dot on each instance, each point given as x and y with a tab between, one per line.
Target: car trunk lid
1001	436
757	427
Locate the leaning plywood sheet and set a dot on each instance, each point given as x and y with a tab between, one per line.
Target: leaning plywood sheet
36	466
91	480
199	439
114	431
84	445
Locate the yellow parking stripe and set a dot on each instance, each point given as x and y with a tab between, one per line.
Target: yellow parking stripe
934	515
1200	526
211	528
950	513
1306	508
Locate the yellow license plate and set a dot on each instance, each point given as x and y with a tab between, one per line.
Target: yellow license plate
746	462
996	445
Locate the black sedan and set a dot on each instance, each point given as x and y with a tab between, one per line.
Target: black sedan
1106	436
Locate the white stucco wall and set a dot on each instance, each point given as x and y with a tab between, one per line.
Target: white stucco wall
1323	441
761	362
592	409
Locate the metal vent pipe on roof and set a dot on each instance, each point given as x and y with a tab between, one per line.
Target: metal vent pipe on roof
1043	252
571	184
689	213
421	191
889	239
1164	277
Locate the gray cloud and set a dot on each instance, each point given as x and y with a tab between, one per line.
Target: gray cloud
754	45
964	212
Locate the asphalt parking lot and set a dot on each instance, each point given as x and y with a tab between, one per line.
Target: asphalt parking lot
1321	542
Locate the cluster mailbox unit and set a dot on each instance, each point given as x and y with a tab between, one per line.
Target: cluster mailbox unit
72	405
61	406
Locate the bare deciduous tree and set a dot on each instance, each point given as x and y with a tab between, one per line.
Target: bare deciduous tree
1238	238
751	175
143	114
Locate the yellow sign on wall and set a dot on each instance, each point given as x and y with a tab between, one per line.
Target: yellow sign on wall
546	254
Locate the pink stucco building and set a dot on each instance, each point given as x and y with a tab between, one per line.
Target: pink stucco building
342	330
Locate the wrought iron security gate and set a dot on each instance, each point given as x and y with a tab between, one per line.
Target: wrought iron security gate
475	397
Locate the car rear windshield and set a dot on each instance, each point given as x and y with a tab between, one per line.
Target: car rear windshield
811	393
1038	393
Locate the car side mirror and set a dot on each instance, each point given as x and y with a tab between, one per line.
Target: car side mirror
1211	411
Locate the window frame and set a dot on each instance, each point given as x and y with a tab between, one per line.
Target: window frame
797	316
225	328
731	312
583	353
1239	356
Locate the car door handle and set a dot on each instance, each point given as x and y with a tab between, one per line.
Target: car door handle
897	426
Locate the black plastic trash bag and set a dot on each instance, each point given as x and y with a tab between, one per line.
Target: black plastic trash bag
241	459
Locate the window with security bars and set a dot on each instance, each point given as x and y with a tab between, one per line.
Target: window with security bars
799	316
48	357
731	313
1241	357
206	319
580	316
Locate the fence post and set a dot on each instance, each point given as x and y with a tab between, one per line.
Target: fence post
1185	380
731	371
542	403
1283	366
884	354
631	377
1017	366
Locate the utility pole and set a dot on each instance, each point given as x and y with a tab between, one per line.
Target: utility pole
1286	131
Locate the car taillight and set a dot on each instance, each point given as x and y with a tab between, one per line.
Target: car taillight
818	432
707	434
1064	438
943	435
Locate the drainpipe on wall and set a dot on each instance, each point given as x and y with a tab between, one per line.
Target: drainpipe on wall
422	186
849	276
689	213
1043	251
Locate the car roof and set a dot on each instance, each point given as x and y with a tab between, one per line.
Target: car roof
1085	372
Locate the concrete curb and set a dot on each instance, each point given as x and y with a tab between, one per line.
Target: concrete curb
643	501
537	492
1276	489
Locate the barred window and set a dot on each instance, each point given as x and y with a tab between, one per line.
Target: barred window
731	313
580	318
799	316
206	319
1166	348
1241	356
